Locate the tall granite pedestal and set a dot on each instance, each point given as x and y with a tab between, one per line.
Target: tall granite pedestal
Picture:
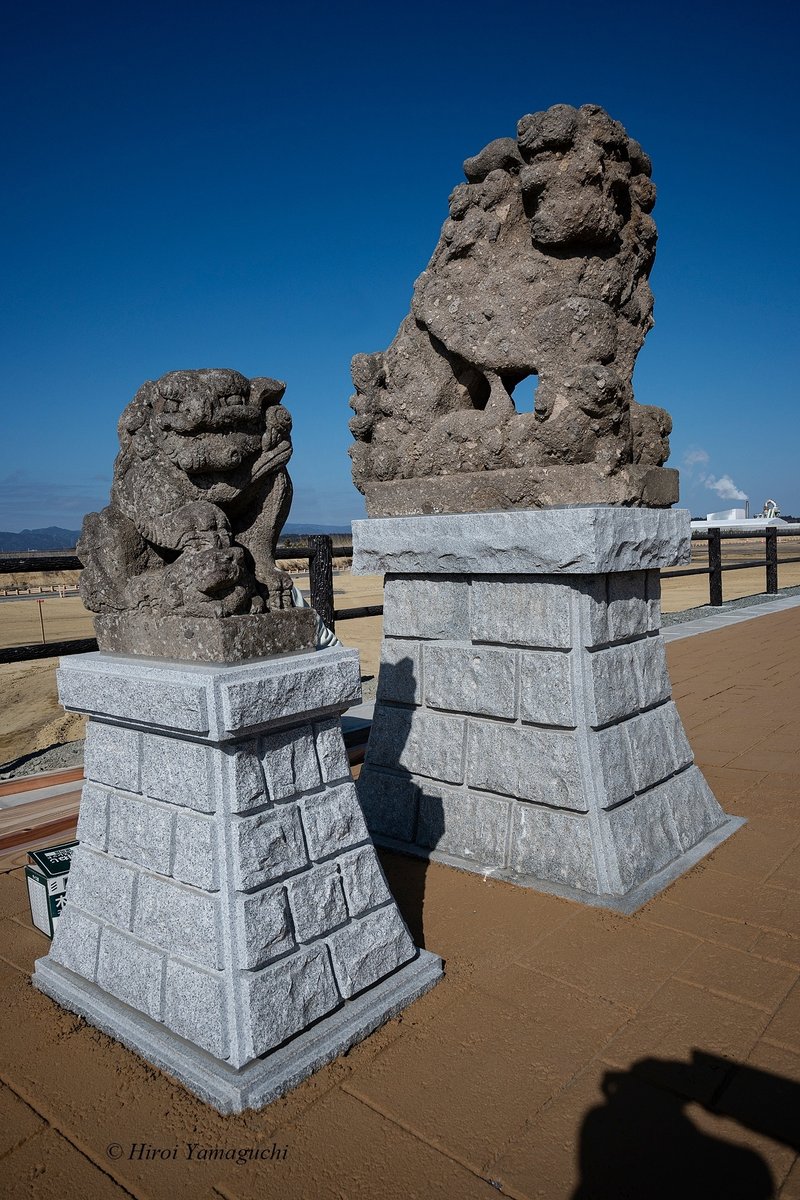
524	726
226	917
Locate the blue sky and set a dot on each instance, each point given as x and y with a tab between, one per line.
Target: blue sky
258	185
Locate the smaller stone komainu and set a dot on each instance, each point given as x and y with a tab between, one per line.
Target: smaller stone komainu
199	497
541	270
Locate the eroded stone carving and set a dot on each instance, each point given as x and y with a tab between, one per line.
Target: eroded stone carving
541	270
199	497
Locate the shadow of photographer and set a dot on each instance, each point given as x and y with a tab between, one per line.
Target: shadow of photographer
642	1145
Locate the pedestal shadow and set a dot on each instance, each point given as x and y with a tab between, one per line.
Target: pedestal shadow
398	684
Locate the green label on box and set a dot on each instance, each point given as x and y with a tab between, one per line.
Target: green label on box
55	860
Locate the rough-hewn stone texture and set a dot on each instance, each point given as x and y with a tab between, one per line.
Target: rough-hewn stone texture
464	824
540	275
363	879
530	764
333	821
195	853
131	971
553	847
181	564
368	949
545	688
542	746
224	872
331	753
268	846
471	679
93	817
563	542
307	978
290	763
317	901
425	608
195	1007
419	741
265	926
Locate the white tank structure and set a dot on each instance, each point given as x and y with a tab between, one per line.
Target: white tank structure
737	518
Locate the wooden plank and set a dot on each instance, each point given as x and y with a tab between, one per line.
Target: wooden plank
17	857
39	812
61	830
42	779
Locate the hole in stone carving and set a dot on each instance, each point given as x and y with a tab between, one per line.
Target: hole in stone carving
476	385
521	387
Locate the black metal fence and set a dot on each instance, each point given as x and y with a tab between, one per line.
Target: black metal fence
715	568
321	551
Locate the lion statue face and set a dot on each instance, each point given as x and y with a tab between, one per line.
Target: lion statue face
214	429
206	421
577	180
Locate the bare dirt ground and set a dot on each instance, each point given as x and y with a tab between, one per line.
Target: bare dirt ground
32	719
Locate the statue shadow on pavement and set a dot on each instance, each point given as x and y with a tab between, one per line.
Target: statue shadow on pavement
642	1142
420	818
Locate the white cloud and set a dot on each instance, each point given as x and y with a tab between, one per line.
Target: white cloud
725	488
696	457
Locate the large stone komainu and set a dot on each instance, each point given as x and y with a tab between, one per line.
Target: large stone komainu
199	497
541	270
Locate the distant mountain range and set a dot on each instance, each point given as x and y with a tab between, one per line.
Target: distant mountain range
51	538
55	538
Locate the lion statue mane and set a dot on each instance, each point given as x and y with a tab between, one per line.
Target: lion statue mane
199	497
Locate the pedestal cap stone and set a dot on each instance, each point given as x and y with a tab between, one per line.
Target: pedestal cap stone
570	541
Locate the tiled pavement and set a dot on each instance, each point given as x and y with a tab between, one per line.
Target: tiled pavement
569	1052
728	615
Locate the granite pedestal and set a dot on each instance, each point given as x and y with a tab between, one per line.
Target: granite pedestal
524	726
226	917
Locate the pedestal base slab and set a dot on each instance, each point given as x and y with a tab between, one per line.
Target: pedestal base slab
625	905
262	1081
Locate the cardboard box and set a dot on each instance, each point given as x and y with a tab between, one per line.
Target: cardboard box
47	884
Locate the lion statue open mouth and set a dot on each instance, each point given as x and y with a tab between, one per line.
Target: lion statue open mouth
199	498
540	276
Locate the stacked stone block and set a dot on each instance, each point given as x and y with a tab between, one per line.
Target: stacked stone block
524	725
225	887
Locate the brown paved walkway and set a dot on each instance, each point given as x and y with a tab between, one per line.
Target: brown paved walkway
569	1052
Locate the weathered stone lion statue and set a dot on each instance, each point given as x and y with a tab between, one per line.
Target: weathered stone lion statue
199	497
541	271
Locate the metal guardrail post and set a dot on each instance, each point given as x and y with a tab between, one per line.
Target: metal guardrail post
320	573
771	539
714	568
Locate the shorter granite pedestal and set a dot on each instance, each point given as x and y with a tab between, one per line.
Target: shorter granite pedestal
524	726
227	917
